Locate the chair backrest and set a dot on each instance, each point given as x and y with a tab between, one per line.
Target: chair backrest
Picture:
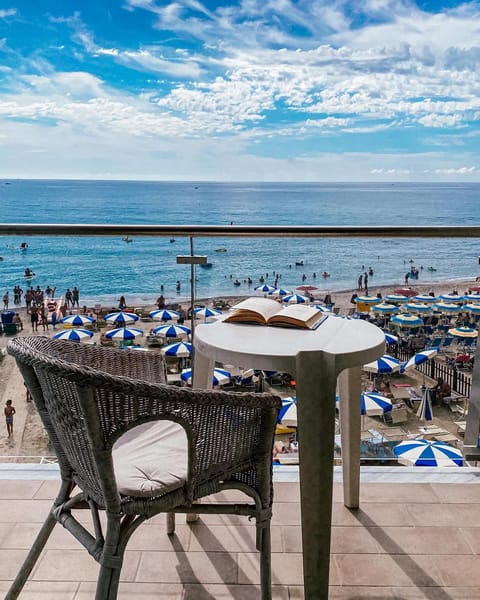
88	396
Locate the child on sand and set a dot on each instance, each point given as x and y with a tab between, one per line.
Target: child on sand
9	412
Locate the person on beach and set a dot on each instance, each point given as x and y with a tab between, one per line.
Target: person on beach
76	297
181	312
9	412
34	318
18	322
6	300
360	282
161	302
68	298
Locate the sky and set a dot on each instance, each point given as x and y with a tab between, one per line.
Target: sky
254	90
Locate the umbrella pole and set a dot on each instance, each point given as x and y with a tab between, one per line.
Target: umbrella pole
192	292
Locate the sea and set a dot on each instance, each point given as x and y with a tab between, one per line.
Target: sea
105	268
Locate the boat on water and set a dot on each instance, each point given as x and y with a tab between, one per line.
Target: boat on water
172	240
207	265
299	263
220	249
29	274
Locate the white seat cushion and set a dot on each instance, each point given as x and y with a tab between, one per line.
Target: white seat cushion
151	458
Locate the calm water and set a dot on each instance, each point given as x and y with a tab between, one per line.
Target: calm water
104	268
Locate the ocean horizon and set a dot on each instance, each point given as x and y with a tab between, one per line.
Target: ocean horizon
105	268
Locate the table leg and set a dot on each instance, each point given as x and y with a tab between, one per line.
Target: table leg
202	371
350	388
316	383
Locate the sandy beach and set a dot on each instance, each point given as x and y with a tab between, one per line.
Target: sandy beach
29	440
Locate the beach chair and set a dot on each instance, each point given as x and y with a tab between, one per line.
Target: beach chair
133	447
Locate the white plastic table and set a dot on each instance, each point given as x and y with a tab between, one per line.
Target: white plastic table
315	359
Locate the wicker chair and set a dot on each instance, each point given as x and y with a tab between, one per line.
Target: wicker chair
135	447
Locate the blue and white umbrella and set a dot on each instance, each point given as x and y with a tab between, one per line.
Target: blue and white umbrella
121	317
455	298
425	298
74	335
384	364
288	413
418	359
206	312
265	288
281	292
374	404
424	453
180	349
391	339
124	333
400	298
77	320
164	315
245	377
425	411
447	307
473	308
220	376
463	332
406	320
385	308
172	331
472	297
418	307
295	299
367	300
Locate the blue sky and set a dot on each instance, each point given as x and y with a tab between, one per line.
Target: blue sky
272	90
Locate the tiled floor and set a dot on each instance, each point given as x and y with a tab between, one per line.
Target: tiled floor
407	541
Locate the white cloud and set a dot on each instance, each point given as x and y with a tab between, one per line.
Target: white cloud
7	12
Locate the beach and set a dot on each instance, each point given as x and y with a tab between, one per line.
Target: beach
29	441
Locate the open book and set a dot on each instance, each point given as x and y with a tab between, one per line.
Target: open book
265	311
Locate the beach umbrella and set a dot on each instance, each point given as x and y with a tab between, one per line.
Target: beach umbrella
206	312
399	298
220	376
374	404
295	299
307	288
472	297
447	307
77	320
385	308
463	332
406	320
245	377
164	315
172	331
418	359
288	413
281	292
424	453
265	288
455	298
180	349
384	364
74	335
124	333
418	307
121	317
425	298
473	308
367	300
425	412
391	339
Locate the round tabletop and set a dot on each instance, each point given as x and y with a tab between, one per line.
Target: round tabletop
352	341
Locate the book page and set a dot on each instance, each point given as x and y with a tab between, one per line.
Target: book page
298	315
261	308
